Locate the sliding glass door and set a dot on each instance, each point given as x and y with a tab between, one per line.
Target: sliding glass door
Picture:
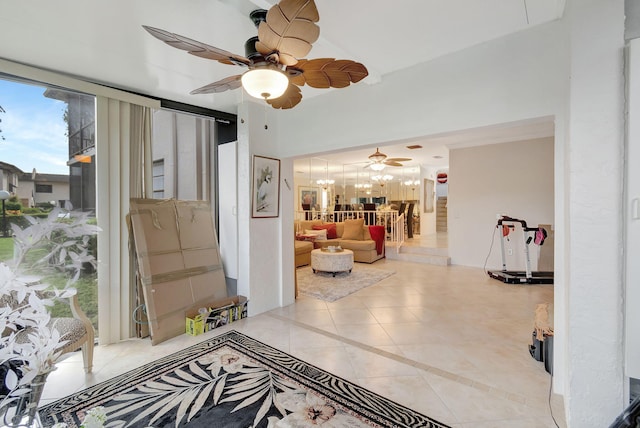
48	165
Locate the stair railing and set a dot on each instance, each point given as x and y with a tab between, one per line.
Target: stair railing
397	230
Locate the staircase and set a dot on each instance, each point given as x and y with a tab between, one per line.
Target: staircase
424	255
441	214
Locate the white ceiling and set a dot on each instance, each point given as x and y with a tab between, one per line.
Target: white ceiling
104	41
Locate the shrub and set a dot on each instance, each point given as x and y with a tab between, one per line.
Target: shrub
13	206
33	210
45	206
20	220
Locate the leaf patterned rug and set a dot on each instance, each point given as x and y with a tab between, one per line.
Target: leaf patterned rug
324	286
233	380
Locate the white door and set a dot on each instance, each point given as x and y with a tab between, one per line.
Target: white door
228	202
632	215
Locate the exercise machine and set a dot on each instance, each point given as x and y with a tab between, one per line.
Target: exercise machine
530	234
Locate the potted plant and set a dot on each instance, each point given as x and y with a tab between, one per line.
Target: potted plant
29	341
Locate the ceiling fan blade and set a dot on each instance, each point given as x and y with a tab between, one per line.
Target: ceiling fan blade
391	163
232	82
399	159
290	99
329	73
289	30
197	48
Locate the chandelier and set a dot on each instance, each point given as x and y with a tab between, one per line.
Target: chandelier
382	179
325	183
412	183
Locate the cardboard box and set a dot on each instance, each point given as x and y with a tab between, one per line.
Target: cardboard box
216	315
179	262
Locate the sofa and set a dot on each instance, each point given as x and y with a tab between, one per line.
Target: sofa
303	252
352	235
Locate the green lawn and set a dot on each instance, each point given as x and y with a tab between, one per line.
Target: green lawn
6	249
87	285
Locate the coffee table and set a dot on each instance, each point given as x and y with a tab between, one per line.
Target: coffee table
331	261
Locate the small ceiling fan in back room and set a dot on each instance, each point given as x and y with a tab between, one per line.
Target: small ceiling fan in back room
378	161
274	61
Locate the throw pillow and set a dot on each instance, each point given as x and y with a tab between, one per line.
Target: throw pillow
321	235
354	229
332	232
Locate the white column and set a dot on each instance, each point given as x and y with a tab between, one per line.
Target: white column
595	160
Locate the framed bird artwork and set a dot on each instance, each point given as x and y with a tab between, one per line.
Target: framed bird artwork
265	201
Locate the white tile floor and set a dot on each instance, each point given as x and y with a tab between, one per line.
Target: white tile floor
449	342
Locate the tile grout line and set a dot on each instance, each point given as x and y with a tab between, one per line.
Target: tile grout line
499	393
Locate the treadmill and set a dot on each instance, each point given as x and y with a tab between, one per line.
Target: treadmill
526	276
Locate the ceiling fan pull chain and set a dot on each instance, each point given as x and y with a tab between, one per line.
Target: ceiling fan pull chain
265	116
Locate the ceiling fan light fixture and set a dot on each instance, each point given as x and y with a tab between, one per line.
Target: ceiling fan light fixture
377	166
265	83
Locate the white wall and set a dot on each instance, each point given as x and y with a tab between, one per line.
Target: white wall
27	191
595	160
514	179
514	78
265	248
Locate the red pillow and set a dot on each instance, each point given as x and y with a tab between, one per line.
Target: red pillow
332	232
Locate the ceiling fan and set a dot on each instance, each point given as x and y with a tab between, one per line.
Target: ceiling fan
273	58
379	161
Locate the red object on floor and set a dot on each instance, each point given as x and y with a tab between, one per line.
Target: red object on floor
377	234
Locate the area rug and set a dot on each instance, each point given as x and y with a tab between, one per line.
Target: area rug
324	286
233	380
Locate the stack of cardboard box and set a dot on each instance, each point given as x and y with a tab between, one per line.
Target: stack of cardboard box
178	262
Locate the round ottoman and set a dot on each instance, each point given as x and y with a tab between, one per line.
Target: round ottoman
331	261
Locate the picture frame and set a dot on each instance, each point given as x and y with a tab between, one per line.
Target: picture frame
265	187
429	186
308	195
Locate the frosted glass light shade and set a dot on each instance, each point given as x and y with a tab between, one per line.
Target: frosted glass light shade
377	166
265	83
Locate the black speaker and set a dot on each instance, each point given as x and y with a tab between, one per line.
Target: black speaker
547	354
536	348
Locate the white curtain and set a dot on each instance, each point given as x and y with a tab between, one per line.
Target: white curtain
123	171
140	186
140	149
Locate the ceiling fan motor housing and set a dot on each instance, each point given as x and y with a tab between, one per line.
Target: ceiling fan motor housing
250	48
258	16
